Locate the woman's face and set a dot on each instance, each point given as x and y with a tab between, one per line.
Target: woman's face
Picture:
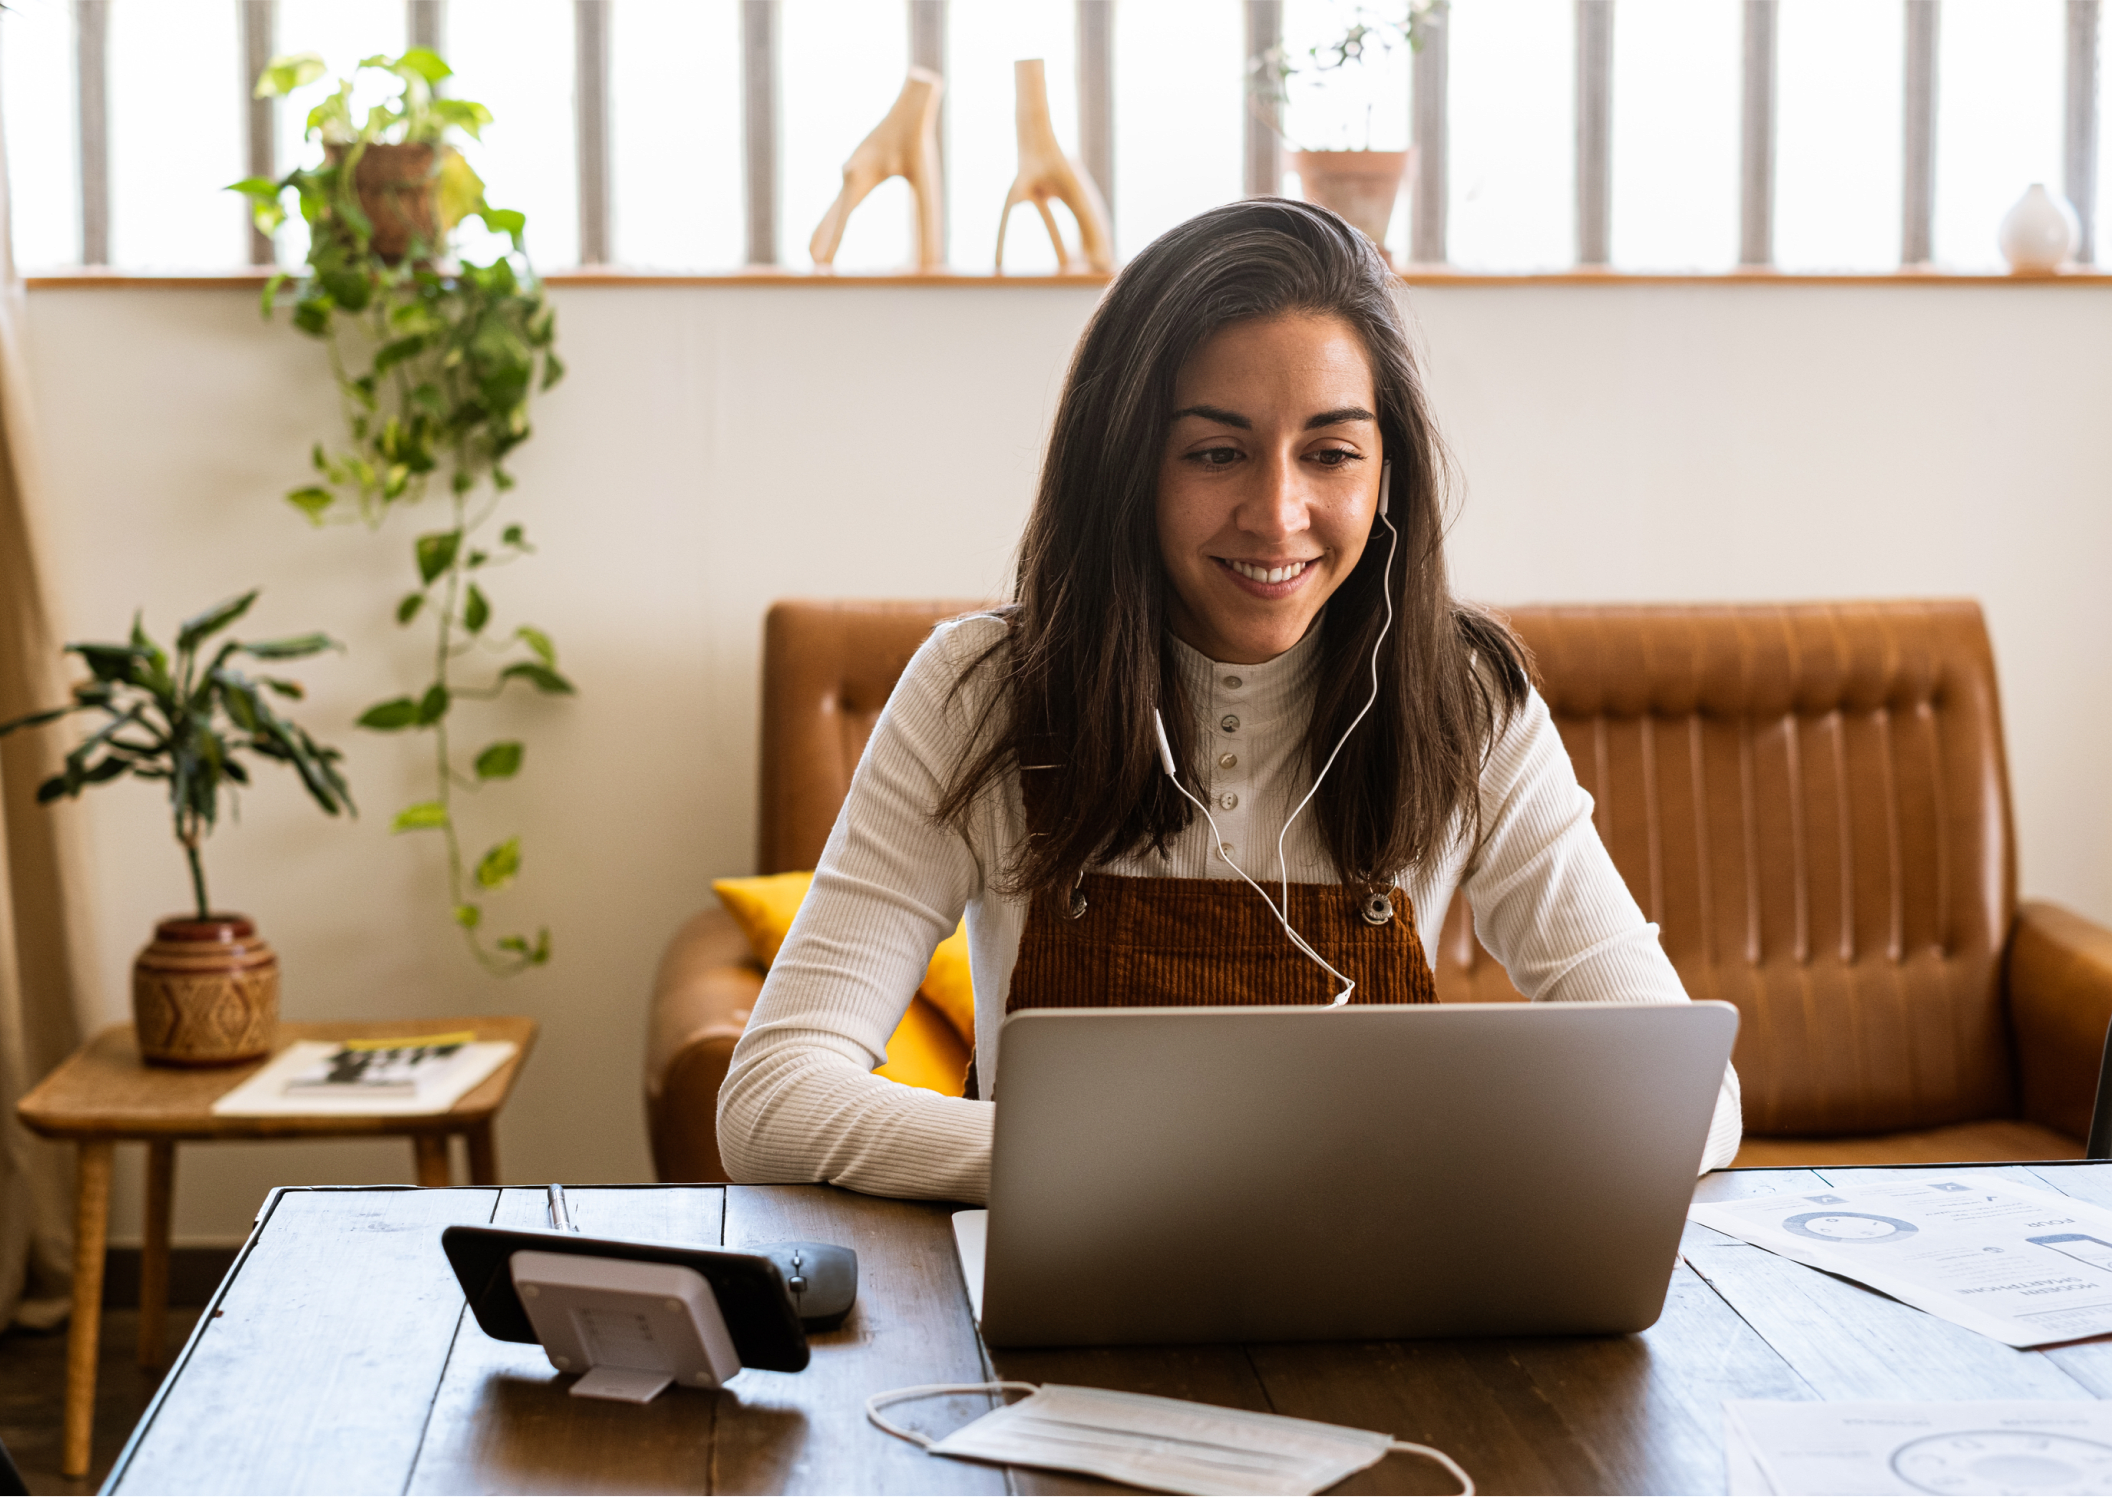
1268	484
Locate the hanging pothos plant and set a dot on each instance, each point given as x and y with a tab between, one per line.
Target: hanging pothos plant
435	360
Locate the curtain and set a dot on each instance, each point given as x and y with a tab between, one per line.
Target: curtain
45	953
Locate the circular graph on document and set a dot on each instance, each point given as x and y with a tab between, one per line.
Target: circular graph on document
1849	1226
2004	1461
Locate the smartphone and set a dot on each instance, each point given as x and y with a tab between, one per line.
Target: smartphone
2094	1251
759	1311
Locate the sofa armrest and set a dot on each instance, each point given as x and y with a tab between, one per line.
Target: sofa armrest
2060	1002
707	985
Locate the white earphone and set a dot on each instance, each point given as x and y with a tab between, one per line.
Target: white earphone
1282	911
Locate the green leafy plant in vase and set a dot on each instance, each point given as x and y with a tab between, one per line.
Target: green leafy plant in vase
1340	77
206	991
436	359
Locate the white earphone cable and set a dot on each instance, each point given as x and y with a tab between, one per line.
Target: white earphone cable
1283	868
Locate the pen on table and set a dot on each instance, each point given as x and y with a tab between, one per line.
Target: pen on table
560	1216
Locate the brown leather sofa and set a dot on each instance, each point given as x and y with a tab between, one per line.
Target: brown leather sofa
1810	799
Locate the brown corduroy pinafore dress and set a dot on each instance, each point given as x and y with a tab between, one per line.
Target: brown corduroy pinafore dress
1119	942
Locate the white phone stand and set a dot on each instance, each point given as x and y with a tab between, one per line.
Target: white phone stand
632	1328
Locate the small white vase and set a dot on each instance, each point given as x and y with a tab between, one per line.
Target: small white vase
2039	233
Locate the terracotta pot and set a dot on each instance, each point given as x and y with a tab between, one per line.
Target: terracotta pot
205	993
1359	185
397	191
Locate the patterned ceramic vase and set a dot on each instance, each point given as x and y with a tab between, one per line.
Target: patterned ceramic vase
205	993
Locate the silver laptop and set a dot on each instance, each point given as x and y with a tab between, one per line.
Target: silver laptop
1361	1173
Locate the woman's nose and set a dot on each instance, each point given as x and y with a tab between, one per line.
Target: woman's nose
1276	505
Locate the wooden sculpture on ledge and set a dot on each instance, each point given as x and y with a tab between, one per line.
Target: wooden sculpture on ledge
1045	173
904	144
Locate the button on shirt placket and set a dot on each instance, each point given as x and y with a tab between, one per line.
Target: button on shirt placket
1230	704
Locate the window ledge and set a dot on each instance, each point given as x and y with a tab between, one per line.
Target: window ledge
249	280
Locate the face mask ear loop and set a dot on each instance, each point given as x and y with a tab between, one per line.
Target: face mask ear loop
879	1401
1466	1482
1166	758
1283	867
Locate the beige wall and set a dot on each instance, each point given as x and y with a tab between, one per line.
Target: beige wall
718	447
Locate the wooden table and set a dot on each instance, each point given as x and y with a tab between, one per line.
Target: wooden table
104	1095
339	1357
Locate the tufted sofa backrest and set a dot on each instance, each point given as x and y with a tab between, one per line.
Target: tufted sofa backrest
1812	803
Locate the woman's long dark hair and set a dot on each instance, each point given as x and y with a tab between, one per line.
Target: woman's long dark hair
1087	654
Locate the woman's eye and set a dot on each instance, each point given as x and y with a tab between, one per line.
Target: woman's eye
1215	457
1334	457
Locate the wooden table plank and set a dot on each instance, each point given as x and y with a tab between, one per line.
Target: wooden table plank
807	1431
504	1419
317	1371
1636	1413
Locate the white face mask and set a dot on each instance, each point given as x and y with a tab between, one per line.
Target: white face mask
1167	1444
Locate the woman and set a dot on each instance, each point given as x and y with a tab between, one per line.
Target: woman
1208	550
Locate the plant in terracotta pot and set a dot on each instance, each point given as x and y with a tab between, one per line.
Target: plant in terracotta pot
436	359
206	991
1345	73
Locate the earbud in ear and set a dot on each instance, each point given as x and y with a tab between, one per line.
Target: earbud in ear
1385	485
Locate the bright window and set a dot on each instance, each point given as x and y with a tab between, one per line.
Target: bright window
675	135
1998	119
515	56
1511	97
342	33
37	113
982	152
1675	134
1838	123
175	138
1179	77
842	63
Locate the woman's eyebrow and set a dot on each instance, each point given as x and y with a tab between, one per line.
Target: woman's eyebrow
1340	417
1215	413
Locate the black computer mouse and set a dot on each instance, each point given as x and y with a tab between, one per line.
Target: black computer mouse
823	1279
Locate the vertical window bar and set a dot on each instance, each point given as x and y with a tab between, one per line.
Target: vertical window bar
590	52
1096	96
425	23
759	127
1432	181
91	35
259	116
927	50
1263	152
2079	148
1918	138
1756	138
1594	131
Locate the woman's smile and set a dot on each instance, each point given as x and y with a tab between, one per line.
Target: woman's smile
1267	579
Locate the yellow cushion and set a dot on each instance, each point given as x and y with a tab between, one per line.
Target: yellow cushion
763	908
931	1046
924	1051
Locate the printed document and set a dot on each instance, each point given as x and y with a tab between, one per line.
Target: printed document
2027	1267
1789	1449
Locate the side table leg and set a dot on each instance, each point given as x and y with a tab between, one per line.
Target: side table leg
483	1155
91	1226
430	1150
154	1254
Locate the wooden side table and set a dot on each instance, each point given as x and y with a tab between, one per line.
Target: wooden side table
103	1095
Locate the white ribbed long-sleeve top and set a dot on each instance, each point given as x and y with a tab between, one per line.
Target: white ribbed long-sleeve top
800	1102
